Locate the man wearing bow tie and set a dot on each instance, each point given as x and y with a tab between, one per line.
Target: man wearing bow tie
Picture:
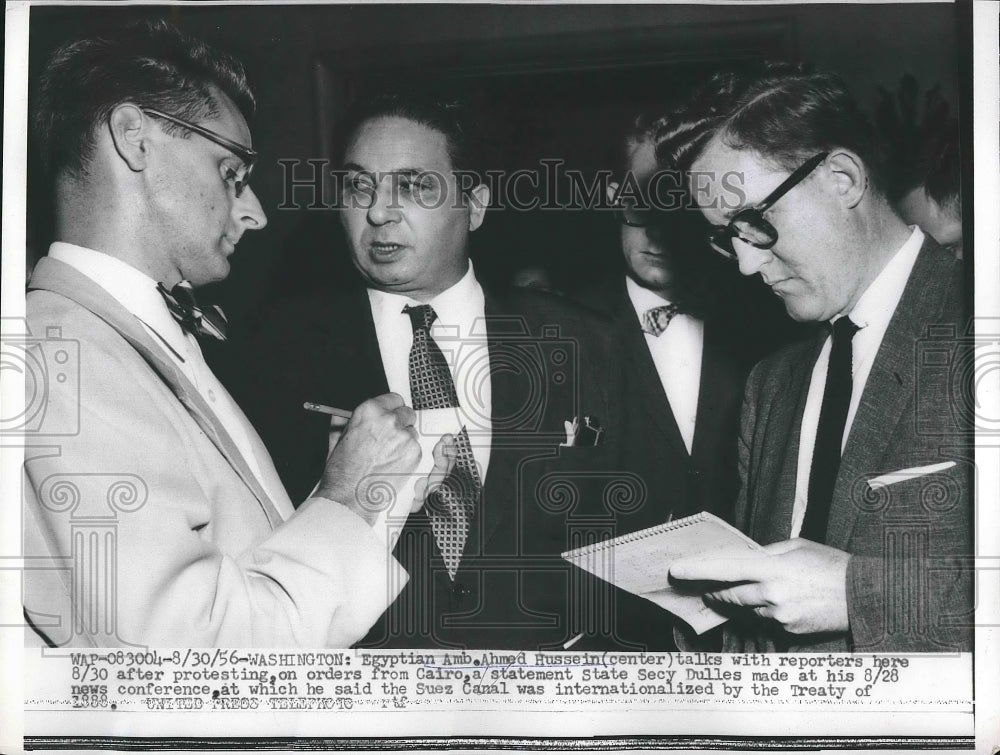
681	378
855	456
504	370
153	513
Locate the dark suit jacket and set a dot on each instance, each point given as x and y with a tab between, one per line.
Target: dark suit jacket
675	483
549	362
909	581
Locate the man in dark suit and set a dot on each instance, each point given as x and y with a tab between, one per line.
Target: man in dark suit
855	470
514	369
681	375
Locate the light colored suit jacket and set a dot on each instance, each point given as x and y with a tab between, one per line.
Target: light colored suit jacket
143	525
909	580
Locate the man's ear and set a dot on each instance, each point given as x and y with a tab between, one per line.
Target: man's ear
129	133
611	191
479	200
849	175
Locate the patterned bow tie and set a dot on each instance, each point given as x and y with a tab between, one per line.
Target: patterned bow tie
210	321
656	319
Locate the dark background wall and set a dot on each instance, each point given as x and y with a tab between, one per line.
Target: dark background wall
562	81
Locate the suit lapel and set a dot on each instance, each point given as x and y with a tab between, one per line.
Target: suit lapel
771	515
52	275
508	399
352	360
887	392
642	370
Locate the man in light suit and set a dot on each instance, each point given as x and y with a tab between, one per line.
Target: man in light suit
855	470
153	514
523	364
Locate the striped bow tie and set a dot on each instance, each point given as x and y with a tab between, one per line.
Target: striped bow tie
656	319
208	321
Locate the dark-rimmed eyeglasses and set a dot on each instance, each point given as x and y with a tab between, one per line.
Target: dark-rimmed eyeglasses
633	210
241	178
633	213
750	225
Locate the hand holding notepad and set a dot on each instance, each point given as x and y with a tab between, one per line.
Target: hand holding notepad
640	562
799	584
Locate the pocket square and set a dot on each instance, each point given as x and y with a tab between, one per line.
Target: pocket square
902	475
586	433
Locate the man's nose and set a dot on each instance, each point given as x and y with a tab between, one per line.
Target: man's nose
384	207
751	258
248	210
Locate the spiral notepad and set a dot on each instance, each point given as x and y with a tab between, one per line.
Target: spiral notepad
639	562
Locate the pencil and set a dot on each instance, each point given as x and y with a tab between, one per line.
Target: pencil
324	409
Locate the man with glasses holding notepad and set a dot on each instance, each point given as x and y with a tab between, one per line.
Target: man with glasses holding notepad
855	469
153	513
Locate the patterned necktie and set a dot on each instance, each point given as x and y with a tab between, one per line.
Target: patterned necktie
198	321
830	432
453	505
656	319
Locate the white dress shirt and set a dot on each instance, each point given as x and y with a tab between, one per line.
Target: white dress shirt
460	332
677	355
137	292
871	314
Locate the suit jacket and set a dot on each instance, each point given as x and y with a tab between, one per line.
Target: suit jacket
549	362
143	523
676	483
909	580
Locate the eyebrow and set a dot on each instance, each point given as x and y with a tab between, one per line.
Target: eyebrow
409	172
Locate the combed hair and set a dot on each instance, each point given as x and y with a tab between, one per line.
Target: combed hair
698	277
150	63
784	112
452	116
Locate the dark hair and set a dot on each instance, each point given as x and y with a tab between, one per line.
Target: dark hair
698	278
641	129
939	165
150	63
782	111
924	154
451	116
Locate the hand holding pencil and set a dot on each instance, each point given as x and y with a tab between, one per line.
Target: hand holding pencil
378	444
335	413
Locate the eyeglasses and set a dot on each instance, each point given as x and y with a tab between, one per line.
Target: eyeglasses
633	213
241	178
633	208
423	188
750	225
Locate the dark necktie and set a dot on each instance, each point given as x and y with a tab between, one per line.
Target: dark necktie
453	505
830	432
656	319
209	321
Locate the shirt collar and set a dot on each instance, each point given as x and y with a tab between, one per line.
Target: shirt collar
459	305
642	298
879	301
132	288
